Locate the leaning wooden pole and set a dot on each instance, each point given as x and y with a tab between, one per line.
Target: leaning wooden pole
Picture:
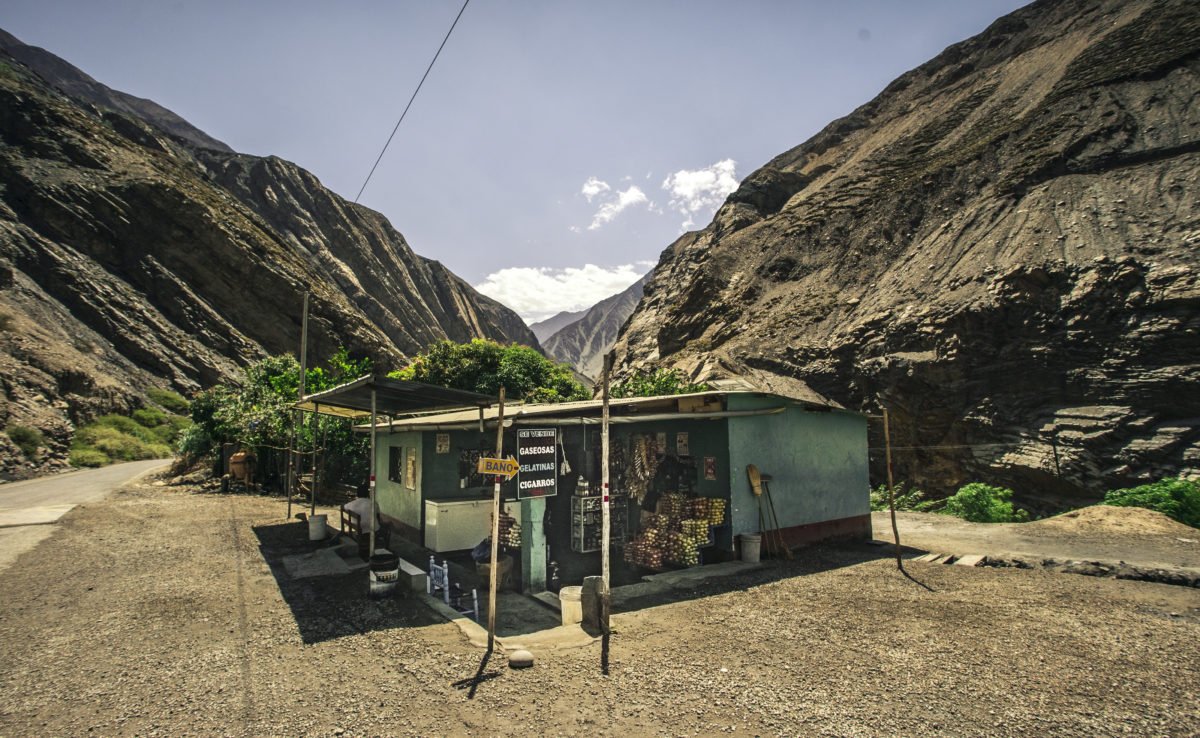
495	566
887	445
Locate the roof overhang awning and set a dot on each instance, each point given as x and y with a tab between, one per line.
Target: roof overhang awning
392	397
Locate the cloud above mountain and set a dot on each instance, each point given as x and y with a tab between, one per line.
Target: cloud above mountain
536	293
694	191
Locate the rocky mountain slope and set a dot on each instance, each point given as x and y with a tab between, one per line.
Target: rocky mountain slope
543	329
584	342
1001	248
130	256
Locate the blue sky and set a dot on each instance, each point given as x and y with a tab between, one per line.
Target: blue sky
557	147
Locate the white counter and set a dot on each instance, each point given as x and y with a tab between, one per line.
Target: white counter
454	525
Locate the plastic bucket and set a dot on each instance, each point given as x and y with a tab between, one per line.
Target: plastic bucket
751	547
316	527
571	601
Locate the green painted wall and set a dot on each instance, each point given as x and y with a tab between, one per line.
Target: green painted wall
394	498
818	461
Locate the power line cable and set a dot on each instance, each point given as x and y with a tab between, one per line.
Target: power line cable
410	101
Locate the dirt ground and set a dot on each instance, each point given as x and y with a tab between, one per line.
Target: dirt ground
1129	534
156	613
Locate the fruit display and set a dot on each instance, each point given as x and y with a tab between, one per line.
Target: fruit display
510	532
676	533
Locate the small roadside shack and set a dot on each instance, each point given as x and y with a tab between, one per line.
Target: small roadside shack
371	396
678	469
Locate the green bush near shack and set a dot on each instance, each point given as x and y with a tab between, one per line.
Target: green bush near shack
485	366
908	499
1178	499
655	383
983	503
172	402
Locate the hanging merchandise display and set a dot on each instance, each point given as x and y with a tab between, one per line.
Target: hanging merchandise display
642	465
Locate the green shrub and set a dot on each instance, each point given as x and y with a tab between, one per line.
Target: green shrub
149	417
906	498
29	440
983	503
1178	499
88	457
116	444
128	426
169	401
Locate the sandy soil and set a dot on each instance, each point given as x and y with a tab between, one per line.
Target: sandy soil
156	613
1128	534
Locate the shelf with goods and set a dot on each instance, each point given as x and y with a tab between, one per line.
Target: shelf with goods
675	535
587	521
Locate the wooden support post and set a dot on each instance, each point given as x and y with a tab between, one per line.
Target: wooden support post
887	443
605	512
371	481
495	567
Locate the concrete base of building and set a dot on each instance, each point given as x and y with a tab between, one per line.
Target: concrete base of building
856	528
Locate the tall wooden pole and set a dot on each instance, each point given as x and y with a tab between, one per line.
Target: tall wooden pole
494	568
605	513
887	444
291	461
371	479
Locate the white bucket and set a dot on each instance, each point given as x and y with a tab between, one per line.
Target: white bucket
751	547
571	603
316	527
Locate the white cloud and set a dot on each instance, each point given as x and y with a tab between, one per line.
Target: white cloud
696	190
537	293
593	187
613	208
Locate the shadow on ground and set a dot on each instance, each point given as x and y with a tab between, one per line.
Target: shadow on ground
335	606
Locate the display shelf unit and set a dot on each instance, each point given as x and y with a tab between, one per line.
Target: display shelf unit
587	525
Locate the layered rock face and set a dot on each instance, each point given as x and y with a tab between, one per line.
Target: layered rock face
584	342
1001	248
133	257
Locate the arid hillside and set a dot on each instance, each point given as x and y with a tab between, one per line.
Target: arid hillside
131	257
1001	248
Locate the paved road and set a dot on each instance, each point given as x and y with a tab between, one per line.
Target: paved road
29	509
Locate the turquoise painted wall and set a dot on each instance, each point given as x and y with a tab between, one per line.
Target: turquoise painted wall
818	461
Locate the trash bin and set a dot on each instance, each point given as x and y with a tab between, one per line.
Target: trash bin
571	603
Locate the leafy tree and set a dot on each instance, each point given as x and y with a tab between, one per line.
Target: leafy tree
1176	498
983	503
484	366
257	412
662	381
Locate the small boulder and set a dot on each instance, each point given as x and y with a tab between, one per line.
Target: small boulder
520	659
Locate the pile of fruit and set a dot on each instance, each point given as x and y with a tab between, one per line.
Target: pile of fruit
708	508
510	532
675	535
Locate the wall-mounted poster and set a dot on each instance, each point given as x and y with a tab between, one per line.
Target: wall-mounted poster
410	471
710	468
443	443
537	454
681	445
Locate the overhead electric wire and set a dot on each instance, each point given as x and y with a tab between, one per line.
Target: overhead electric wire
410	101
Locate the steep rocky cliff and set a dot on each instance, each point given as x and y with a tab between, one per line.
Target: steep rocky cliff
132	256
1001	248
584	342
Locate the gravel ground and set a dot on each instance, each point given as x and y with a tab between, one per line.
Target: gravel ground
155	613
